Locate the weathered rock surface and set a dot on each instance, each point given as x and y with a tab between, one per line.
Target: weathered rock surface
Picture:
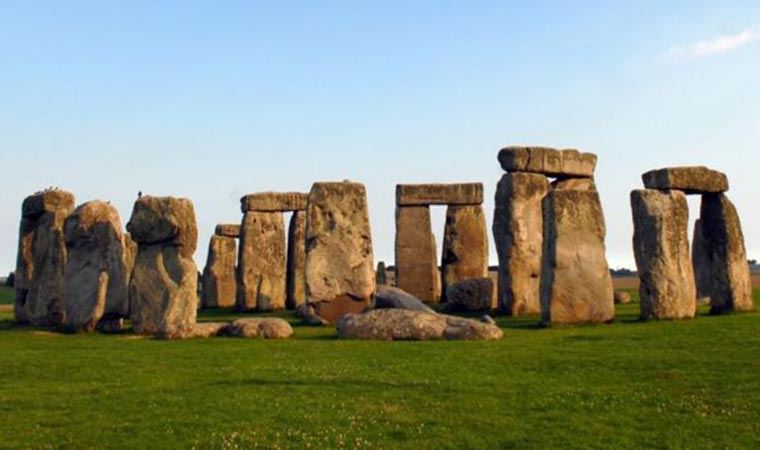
661	248
261	262
548	161
381	277
388	297
340	276
439	194
730	283
203	330
95	278
701	264
465	245
622	298
269	328
274	202
228	230
518	235
416	260
219	286
296	261
406	325
576	285
691	180
41	259
574	184
308	315
163	288
474	294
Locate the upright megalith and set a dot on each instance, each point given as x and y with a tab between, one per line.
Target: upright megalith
219	286
576	286
296	265
518	235
661	248
701	264
340	276
725	257
41	258
465	245
416	257
262	256
163	289
95	279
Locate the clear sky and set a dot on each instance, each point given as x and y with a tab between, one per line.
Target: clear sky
212	100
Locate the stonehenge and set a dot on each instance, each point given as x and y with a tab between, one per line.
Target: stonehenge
672	279
219	281
41	260
295	272
465	243
262	283
340	274
542	228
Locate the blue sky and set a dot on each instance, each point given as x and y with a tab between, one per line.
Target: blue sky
212	100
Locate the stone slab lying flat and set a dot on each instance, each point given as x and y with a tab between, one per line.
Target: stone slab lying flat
548	161
439	194
228	230
691	180
274	202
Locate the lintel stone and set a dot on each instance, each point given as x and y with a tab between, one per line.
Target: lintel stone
439	194
274	202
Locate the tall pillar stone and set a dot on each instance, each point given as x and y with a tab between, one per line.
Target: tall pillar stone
95	280
416	261
730	285
518	235
296	265
261	262
576	285
163	290
219	286
41	258
465	245
340	276
701	264
661	248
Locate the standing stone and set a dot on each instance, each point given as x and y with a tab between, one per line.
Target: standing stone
661	248
95	279
730	284
219	287
518	233
296	276
163	289
261	265
381	277
465	245
42	258
701	264
340	276
416	262
576	285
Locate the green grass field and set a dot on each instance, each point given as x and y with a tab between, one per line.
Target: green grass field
690	384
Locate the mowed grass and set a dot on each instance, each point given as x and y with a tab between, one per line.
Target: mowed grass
691	384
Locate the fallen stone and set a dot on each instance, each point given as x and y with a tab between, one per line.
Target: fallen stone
269	328
416	261
691	180
576	285
465	245
228	230
262	262
202	330
622	298
219	286
41	260
548	161
661	248
470	295
309	316
439	194
730	284
388	297
518	235
340	275
487	319
95	279
274	202
406	325
163	287
296	261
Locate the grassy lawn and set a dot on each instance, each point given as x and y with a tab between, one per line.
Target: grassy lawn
690	384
